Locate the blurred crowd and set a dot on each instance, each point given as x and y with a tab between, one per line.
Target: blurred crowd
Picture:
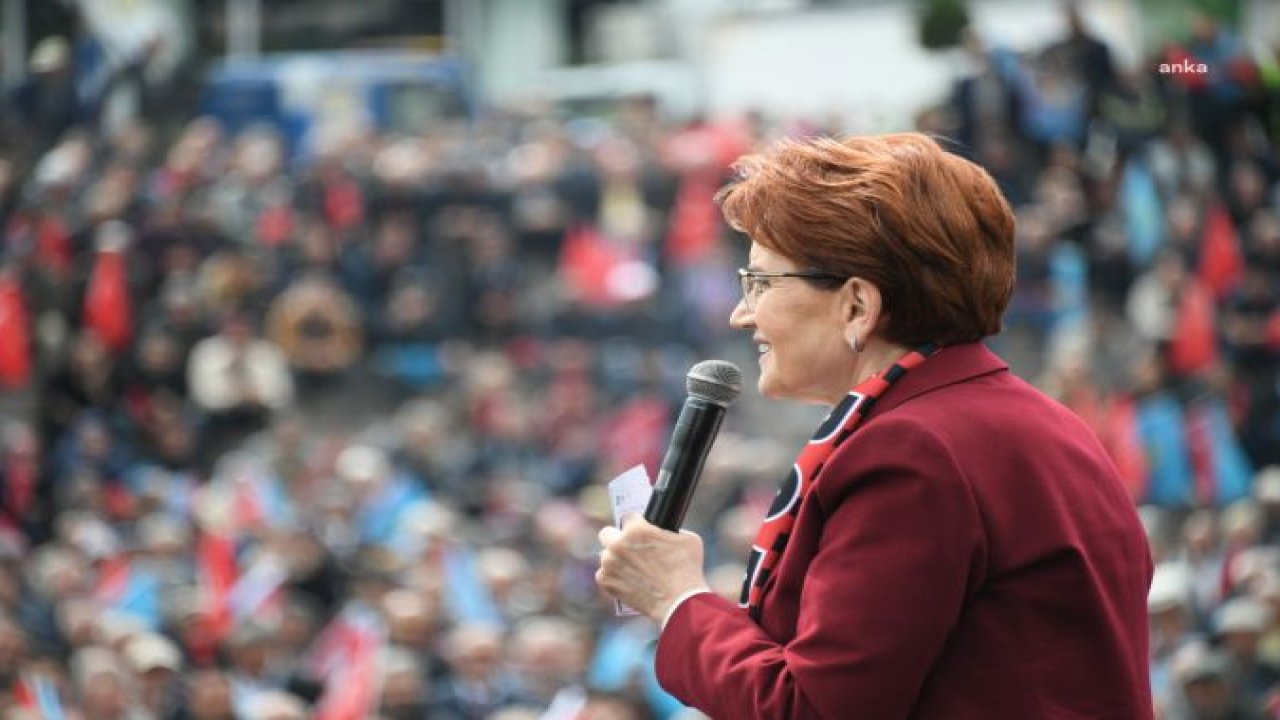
322	429
1148	301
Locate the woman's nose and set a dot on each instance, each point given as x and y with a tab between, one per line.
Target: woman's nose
741	318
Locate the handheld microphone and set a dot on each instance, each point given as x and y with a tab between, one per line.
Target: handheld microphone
712	385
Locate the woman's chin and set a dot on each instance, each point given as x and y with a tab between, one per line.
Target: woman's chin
769	388
763	387
772	390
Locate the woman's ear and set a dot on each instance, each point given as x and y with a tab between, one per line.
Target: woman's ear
861	309
862	304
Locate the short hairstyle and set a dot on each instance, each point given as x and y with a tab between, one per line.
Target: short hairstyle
927	227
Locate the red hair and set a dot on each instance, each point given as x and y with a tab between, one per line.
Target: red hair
928	228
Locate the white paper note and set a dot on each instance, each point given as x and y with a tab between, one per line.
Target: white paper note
629	493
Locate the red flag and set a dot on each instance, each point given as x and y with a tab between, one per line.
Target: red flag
1124	443
113	579
586	262
1200	450
108	311
15	339
23	694
53	245
1194	346
20	486
258	592
695	220
701	154
216	568
352	692
1221	261
346	656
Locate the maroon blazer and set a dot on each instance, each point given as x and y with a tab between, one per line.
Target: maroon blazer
968	554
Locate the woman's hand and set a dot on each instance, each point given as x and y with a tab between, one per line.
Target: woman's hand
648	568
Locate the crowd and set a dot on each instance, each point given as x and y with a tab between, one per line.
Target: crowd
324	431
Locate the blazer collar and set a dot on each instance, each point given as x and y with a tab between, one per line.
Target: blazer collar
950	365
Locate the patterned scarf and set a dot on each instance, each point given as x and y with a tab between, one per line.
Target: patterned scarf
771	539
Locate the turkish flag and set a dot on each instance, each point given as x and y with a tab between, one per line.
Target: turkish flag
1194	346
1124	441
1221	260
1200	451
53	245
345	656
113	579
586	262
15	335
216	568
108	310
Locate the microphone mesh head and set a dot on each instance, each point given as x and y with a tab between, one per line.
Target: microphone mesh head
716	381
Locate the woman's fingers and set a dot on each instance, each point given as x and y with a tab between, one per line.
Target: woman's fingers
646	567
608	534
635	533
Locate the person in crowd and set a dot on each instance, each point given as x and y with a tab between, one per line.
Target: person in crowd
1239	626
318	328
49	102
1205	690
477	683
208	696
238	380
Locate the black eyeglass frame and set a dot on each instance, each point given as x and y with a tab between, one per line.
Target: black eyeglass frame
748	276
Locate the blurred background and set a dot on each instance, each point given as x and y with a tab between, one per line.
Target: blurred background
323	324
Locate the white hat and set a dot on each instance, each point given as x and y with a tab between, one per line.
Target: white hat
151	651
1242	614
51	53
362	463
96	539
58	167
1169	587
273	704
1197	661
1266	485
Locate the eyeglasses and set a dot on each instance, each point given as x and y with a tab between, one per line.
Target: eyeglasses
755	282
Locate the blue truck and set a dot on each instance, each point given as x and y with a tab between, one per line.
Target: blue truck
390	90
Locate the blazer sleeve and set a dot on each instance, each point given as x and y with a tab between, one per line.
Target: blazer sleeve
901	547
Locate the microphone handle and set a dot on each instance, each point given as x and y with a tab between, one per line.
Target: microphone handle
695	432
